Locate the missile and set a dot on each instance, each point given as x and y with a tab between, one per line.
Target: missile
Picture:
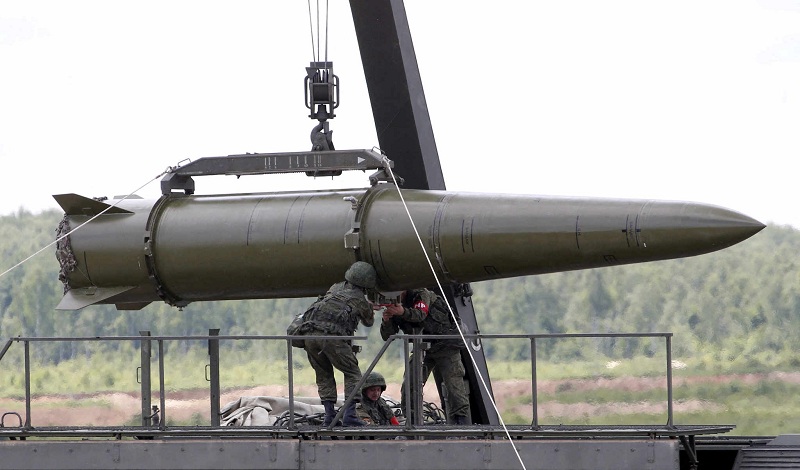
184	248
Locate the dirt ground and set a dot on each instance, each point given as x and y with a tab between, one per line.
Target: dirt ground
116	409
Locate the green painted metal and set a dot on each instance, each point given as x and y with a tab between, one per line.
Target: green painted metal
188	248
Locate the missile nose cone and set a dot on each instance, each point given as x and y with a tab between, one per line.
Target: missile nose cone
704	227
729	227
732	220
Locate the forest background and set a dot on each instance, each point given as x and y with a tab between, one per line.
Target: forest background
734	316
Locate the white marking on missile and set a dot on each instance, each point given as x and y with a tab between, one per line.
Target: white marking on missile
360	160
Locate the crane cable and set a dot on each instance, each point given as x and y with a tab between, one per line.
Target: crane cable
388	167
315	52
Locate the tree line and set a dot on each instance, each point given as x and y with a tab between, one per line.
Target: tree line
740	302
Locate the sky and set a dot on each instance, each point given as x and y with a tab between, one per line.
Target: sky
671	100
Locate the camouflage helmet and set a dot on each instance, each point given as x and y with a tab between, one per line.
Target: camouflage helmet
374	379
361	274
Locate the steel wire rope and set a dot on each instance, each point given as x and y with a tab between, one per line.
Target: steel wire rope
81	225
315	54
311	30
452	314
327	14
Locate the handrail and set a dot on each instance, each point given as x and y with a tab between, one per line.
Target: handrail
408	340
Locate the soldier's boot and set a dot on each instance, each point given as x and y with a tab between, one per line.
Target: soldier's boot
350	418
330	412
460	420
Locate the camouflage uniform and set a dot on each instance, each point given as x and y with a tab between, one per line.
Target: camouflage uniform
426	310
337	313
375	412
373	409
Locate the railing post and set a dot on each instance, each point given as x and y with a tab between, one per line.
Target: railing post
213	352
163	422
406	391
145	349
290	371
669	379
416	370
27	384
534	386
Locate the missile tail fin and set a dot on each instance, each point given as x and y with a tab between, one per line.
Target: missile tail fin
74	204
76	299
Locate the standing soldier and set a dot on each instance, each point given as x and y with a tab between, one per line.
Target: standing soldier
423	309
337	313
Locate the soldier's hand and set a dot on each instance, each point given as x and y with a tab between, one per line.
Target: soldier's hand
394	310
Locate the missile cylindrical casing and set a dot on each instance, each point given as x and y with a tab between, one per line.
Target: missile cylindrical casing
295	244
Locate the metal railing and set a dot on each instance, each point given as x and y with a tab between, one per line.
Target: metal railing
533	354
213	376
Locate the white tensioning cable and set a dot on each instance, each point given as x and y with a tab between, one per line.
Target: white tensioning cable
452	314
81	225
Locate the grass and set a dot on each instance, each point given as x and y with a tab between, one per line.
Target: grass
754	406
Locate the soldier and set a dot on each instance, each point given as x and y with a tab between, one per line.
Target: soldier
337	313
423	309
373	409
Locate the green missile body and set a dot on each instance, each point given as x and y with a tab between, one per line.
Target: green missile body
188	248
